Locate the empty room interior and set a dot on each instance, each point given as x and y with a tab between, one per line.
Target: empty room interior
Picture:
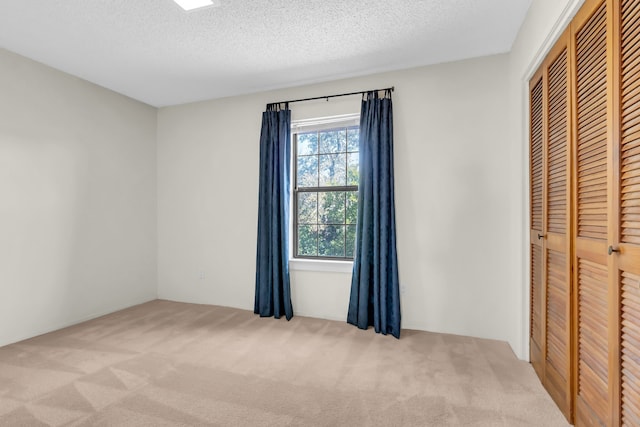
320	213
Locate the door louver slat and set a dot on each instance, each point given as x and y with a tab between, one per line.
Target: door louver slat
536	156
592	345
557	158
630	125
557	344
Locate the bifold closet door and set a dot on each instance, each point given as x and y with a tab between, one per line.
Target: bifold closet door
594	335
556	236
536	225
625	247
550	336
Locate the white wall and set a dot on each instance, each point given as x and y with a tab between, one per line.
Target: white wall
545	21
453	199
77	200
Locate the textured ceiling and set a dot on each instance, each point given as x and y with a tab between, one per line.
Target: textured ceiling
153	51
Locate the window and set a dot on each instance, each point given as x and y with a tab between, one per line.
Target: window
325	194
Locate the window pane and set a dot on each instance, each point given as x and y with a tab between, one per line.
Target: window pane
326	220
307	143
353	168
352	139
352	207
331	240
331	207
307	208
307	171
351	241
333	169
308	240
333	141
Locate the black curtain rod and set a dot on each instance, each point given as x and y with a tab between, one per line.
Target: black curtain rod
333	96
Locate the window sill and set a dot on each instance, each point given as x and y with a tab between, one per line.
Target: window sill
321	265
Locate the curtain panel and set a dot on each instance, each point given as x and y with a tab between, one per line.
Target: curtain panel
375	290
273	293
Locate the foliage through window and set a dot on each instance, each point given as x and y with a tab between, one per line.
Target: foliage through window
326	192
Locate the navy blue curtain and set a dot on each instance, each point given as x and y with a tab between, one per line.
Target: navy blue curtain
375	290
273	293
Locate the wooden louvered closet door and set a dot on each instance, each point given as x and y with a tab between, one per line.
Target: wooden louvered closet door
536	336
550	224
557	240
626	241
587	255
592	122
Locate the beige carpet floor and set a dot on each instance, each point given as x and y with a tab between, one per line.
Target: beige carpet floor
173	364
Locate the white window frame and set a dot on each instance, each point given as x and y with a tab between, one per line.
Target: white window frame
315	124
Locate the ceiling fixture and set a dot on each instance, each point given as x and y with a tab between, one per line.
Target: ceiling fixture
194	4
